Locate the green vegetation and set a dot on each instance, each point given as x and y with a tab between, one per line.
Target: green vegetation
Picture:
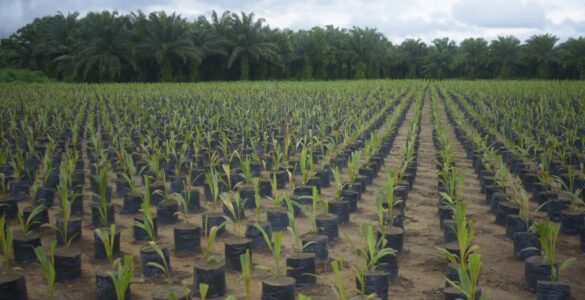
122	275
108	238
6	240
232	139
22	75
47	262
110	47
548	234
246	264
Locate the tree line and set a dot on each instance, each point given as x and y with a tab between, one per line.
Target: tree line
107	47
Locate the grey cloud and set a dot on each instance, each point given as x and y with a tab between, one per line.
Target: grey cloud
397	19
396	29
578	26
15	14
500	13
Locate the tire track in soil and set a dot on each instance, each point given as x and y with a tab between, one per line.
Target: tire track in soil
421	264
366	214
502	277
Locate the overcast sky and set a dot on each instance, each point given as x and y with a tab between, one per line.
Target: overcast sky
397	19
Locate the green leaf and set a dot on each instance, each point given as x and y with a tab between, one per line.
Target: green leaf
567	263
203	288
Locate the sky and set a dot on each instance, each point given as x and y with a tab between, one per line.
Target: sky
396	19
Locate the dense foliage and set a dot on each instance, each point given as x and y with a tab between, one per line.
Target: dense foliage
107	46
21	75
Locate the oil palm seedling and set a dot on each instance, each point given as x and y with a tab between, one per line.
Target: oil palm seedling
519	227
257	199
543	272
286	141
458	254
27	223
153	165
389	199
278	198
48	177
353	165
145	226
235	209
19	184
277	284
128	168
210	271
191	193
300	264
521	199
571	220
251	230
122	274
6	241
388	225
184	210
167	207
548	235
47	263
337	181
213	179
67	231
186	234
246	266
104	209
161	263
274	244
209	241
276	215
110	244
373	257
468	283
544	174
306	165
246	170
338	288
322	222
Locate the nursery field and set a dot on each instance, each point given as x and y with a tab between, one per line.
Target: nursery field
293	190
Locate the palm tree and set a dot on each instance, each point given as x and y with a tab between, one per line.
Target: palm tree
413	53
368	46
105	52
304	52
504	54
319	52
250	42
540	51
147	69
211	37
440	58
208	43
25	48
473	53
168	41
573	55
61	42
338	41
